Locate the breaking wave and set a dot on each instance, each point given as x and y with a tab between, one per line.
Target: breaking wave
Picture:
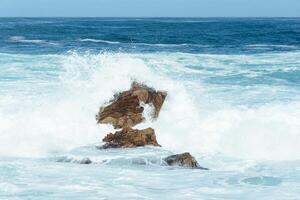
193	117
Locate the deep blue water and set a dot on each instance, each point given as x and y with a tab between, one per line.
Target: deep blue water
233	101
190	35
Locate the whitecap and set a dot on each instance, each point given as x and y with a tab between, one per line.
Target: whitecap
98	41
170	45
272	46
21	39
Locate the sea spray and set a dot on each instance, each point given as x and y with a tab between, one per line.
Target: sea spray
191	120
233	102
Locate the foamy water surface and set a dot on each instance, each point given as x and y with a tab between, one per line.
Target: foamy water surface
237	111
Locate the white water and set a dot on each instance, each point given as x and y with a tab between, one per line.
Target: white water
22	39
98	41
59	114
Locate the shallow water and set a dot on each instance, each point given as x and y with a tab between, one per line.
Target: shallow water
233	103
136	174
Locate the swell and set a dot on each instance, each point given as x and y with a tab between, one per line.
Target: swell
142	44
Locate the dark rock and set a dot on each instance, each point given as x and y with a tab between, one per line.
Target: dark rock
129	138
85	161
183	160
126	109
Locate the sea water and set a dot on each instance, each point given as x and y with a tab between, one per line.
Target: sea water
233	102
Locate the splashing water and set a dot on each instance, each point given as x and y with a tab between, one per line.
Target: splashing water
62	117
235	107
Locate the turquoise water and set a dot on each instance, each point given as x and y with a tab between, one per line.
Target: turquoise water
234	91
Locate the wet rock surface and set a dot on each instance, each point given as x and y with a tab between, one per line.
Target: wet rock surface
126	109
130	138
183	160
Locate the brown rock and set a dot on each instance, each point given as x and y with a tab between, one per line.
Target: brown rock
129	138
126	109
183	160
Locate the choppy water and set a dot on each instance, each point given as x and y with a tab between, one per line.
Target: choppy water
234	103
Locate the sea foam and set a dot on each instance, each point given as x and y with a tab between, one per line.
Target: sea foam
189	120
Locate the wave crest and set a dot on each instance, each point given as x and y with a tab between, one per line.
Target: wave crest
21	39
189	119
98	41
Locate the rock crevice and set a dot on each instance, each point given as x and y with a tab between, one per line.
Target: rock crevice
126	109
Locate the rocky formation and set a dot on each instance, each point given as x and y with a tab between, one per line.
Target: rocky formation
183	160
126	109
129	138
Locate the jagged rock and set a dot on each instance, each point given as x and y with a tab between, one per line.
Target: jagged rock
126	109
129	138
183	160
85	161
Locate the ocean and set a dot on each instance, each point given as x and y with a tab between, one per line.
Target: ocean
233	101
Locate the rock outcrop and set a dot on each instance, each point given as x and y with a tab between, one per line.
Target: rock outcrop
126	110
183	160
129	138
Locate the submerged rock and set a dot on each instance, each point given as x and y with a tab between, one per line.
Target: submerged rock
183	160
129	138
126	109
85	161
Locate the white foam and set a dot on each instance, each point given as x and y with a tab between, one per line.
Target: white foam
143	44
21	39
170	45
98	41
272	45
66	119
